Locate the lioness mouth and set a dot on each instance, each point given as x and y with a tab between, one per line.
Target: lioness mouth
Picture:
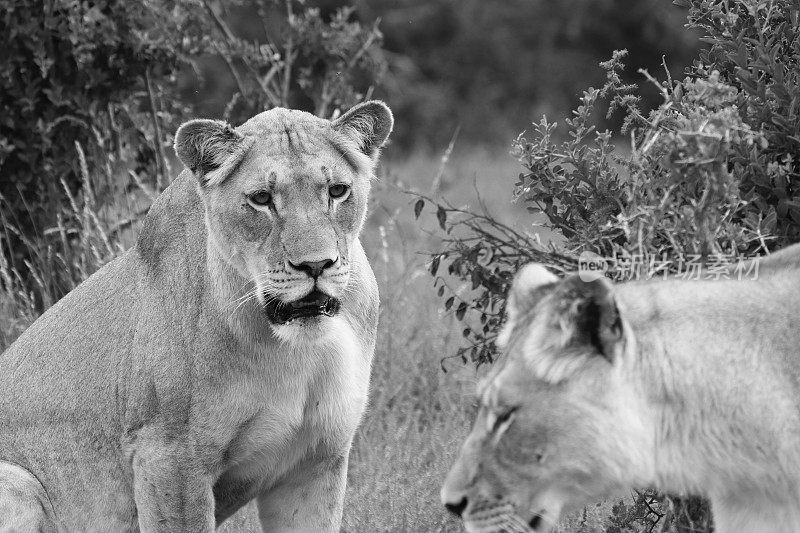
315	303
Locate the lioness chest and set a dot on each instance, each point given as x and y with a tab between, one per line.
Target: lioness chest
302	404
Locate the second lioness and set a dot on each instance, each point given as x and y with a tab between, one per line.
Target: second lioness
225	358
687	387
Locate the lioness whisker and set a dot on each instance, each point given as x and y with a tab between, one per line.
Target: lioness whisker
243	300
519	523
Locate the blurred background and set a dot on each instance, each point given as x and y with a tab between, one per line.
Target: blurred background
485	69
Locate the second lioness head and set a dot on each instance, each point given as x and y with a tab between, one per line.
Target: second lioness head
286	197
558	424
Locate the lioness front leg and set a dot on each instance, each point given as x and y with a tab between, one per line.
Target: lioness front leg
172	493
310	498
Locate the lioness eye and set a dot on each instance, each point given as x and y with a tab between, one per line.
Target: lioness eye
504	417
260	197
338	190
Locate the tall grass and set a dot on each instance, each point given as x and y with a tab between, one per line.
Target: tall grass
36	271
418	414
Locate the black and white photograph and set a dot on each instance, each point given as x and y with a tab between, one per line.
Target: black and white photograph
424	266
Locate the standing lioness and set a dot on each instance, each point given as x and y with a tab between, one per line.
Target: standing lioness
683	386
225	357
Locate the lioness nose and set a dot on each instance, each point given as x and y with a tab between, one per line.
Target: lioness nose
457	508
313	268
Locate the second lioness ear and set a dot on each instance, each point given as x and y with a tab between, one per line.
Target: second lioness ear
589	314
369	124
525	289
210	149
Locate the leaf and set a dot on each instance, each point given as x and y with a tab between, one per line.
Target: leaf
435	264
462	309
418	205
449	303
475	278
770	221
441	215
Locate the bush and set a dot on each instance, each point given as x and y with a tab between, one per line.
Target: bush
754	50
711	171
77	71
711	174
319	64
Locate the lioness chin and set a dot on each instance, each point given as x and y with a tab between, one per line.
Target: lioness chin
684	386
224	358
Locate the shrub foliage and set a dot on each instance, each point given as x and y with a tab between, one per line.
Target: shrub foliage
316	63
78	71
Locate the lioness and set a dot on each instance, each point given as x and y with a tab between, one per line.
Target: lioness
225	357
679	385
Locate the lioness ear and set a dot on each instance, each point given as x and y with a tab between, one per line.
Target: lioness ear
368	124
211	149
589	314
526	288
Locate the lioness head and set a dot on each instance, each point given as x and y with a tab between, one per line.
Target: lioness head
556	428
285	196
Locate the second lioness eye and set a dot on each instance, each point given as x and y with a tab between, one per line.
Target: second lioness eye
260	197
504	416
338	191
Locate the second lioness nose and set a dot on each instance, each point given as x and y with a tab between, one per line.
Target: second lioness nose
457	508
313	268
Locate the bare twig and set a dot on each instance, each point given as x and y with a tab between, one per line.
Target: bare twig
235	73
437	181
288	56
263	84
162	177
373	34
